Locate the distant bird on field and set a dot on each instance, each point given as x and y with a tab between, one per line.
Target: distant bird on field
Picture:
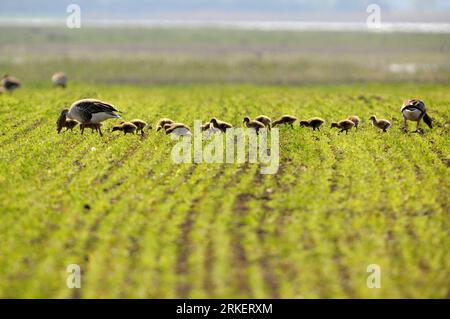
125	127
140	125
414	110
60	79
356	120
64	122
285	119
315	123
177	129
162	122
221	125
253	124
91	111
10	83
381	124
264	120
344	125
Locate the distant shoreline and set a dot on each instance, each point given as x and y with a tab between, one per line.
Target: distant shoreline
413	27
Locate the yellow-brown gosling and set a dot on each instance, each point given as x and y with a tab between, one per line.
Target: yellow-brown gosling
64	122
125	127
285	119
414	110
162	122
253	124
93	127
344	125
381	124
178	129
60	79
221	125
355	119
91	111
140	124
315	123
10	83
264	120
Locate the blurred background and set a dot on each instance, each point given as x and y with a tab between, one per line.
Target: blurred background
289	42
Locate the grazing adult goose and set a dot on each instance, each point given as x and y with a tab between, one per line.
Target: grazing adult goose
163	122
60	79
264	120
64	122
140	125
381	124
253	124
344	125
178	129
125	127
221	125
315	123
10	83
91	111
356	120
285	119
414	110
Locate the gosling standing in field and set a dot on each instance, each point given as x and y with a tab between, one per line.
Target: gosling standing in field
264	120
383	125
60	79
178	129
253	124
10	83
414	110
162	122
125	127
285	119
140	125
345	125
315	123
64	122
91	111
221	125
355	119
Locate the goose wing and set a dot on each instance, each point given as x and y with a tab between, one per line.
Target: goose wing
414	104
92	106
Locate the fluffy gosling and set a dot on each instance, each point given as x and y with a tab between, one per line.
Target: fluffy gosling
140	124
356	120
315	123
64	122
178	129
285	119
345	125
95	127
221	125
381	124
264	120
162	122
253	124
125	127
60	79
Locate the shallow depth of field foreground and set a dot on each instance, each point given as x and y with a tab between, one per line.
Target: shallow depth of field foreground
140	225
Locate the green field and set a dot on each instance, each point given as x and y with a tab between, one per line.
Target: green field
140	225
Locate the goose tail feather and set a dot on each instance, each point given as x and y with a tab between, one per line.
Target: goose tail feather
428	120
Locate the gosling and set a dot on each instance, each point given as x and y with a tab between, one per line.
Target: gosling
95	127
414	110
356	120
264	120
64	122
345	125
178	129
285	119
125	127
221	125
10	83
381	124
60	79
253	124
315	123
140	124
162	122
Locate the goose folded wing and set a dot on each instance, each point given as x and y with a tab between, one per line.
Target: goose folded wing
97	107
